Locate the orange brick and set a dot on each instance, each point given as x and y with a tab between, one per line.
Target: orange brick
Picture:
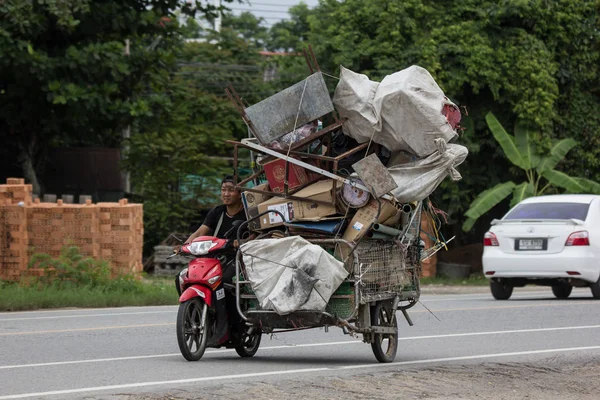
15	181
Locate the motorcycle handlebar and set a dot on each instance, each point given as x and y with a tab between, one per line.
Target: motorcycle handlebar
245	223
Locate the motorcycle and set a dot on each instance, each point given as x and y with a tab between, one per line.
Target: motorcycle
207	315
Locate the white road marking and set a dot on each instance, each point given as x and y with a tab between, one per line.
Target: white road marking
424	298
86	315
430	298
450	335
296	371
475	357
59	310
538	294
425	301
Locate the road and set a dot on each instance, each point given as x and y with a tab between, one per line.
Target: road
132	352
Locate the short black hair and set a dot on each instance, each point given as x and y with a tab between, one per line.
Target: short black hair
228	178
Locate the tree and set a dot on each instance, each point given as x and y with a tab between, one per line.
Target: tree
522	152
179	153
72	72
535	61
291	35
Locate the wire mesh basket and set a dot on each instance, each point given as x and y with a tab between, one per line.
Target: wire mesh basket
383	271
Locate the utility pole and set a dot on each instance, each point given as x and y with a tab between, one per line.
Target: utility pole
217	24
126	136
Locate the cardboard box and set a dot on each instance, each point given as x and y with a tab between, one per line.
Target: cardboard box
318	204
364	217
275	173
251	200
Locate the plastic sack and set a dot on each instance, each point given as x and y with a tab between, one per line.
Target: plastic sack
293	137
291	274
418	179
406	111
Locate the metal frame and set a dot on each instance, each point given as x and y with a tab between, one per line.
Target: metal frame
292	155
359	316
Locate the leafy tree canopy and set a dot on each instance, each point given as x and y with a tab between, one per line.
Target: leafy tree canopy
538	169
536	61
71	72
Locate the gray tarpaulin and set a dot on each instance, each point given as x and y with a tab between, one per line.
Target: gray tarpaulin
291	274
403	112
418	179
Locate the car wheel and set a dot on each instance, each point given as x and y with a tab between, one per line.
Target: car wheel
562	290
595	287
500	290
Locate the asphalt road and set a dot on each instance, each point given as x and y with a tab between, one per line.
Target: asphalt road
99	353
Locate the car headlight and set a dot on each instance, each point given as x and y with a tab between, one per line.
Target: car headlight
201	248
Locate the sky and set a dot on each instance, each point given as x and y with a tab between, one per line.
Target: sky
272	11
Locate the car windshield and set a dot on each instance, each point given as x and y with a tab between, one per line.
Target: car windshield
549	211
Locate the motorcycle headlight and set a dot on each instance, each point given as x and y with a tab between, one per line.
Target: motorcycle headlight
212	280
201	248
182	275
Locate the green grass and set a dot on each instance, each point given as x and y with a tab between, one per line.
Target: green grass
74	280
17	297
473	280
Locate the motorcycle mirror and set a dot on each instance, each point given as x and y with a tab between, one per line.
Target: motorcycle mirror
233	229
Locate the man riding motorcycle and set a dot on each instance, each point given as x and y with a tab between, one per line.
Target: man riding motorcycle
221	220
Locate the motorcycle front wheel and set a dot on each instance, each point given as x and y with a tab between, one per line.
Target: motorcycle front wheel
192	328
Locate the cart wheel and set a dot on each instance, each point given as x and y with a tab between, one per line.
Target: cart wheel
384	345
249	343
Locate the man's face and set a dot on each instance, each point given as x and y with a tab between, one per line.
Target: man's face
229	194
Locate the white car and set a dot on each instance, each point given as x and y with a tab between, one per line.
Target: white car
547	240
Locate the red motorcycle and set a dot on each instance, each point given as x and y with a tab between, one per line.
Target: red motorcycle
207	315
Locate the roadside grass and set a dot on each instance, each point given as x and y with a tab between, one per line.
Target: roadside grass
20	297
74	280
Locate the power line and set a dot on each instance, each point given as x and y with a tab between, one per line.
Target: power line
269	4
250	10
277	19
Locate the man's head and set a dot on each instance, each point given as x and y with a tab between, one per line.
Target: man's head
229	194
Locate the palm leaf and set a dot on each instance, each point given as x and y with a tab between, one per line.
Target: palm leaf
468	224
557	153
588	186
525	146
506	141
488	199
521	192
562	180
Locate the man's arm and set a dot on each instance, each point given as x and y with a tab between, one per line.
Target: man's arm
202	231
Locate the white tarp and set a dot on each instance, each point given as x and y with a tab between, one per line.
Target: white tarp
291	274
403	112
418	179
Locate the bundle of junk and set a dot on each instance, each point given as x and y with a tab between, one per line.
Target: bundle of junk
334	205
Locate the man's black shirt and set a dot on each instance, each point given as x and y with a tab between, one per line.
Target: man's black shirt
213	216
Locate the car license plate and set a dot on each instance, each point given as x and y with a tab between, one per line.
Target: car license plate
530	244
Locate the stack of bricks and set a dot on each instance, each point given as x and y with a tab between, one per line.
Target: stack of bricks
109	231
13	240
15	191
121	235
51	226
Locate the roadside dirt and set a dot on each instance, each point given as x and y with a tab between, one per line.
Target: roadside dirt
554	378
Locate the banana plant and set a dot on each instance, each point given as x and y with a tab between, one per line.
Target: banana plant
539	171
